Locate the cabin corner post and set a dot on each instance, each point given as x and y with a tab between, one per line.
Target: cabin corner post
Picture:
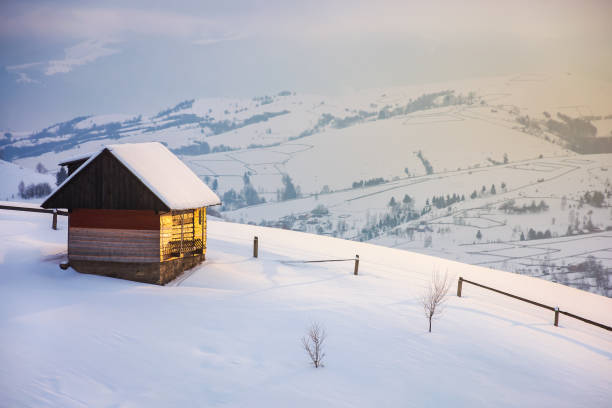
203	238
204	229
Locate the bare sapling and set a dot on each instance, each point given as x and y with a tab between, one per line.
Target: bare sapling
433	299
313	343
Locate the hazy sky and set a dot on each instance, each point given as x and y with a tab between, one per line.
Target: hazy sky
66	58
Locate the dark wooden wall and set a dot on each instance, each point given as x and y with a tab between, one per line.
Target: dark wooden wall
105	184
74	165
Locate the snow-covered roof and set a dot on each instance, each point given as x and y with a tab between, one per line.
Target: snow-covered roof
162	172
79	157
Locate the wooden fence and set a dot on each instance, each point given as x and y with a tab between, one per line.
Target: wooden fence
37	210
554	309
356	259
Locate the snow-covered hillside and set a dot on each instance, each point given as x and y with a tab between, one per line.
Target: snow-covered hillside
348	156
11	175
229	334
504	230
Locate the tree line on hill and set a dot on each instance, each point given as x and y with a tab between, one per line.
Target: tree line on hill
510	207
368	183
579	134
33	190
423	102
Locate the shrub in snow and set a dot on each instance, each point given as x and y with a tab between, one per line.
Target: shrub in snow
40	168
435	296
313	344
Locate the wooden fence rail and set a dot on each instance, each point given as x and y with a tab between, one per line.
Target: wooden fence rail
37	210
355	259
30	209
554	309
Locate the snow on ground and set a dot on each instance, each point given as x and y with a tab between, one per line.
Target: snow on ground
102	120
229	334
450	138
11	175
449	232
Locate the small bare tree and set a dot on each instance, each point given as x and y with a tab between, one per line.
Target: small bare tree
434	297
313	344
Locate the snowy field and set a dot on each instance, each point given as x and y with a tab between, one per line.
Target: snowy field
229	334
11	175
451	231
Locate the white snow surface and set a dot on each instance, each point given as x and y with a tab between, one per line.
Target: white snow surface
162	172
12	174
229	334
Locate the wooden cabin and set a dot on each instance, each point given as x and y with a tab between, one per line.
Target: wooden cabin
136	212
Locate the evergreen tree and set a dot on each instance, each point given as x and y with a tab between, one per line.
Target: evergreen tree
289	191
493	191
531	234
60	176
479	235
250	195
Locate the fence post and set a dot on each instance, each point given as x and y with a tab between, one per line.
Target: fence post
54	224
255	247
557	316
459	286
356	265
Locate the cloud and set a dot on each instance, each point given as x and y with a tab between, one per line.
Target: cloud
96	26
218	39
80	54
313	24
22	67
23	78
92	22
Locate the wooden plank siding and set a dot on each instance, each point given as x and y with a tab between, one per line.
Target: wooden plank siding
105	183
182	233
113	245
135	235
118	219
